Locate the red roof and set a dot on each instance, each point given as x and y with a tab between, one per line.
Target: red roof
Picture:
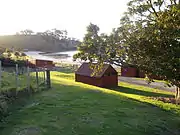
85	70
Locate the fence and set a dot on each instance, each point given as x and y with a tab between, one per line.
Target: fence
22	77
18	82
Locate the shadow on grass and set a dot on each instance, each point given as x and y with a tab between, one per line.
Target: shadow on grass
127	90
139	92
67	71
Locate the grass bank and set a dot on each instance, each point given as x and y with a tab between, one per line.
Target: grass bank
71	108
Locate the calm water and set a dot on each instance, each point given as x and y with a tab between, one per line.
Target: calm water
37	55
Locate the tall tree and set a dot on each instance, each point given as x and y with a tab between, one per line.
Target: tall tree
152	30
148	37
100	47
90	47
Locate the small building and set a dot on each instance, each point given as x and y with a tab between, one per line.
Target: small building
41	63
108	77
135	72
129	72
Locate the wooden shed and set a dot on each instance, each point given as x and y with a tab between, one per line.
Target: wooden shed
42	63
129	72
135	72
108	77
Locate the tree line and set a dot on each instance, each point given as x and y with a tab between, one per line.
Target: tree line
54	33
53	40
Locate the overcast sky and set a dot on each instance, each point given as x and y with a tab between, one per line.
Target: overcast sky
72	15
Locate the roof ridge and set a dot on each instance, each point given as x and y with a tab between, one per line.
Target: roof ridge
85	70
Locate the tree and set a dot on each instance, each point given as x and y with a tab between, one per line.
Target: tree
88	48
23	54
17	54
25	32
148	37
153	38
54	35
101	48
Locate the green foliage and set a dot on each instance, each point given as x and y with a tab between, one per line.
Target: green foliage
148	38
91	44
53	40
101	48
3	107
153	37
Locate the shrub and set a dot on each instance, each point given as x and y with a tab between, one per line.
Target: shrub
3	106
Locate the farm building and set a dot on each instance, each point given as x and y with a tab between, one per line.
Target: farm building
108	77
129	72
134	72
41	63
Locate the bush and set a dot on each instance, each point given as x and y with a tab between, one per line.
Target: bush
7	62
3	107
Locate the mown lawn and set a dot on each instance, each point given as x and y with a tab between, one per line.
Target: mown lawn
71	108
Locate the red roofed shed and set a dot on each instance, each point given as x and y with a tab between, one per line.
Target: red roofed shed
41	63
108	77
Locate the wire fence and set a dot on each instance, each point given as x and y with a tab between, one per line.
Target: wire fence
21	77
19	82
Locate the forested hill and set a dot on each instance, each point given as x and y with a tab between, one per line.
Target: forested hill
38	42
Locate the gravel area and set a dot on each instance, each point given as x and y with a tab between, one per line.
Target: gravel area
157	85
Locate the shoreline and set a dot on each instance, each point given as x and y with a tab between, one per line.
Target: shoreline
57	57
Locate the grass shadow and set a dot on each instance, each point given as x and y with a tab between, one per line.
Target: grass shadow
139	92
66	70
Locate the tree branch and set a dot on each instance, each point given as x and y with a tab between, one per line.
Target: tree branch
175	2
154	11
161	5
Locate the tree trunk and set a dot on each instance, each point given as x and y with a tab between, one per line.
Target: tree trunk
177	95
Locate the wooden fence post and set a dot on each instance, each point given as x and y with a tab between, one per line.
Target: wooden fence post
44	76
37	79
16	75
48	79
28	78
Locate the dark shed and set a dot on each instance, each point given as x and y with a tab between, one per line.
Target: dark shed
41	63
108	77
135	72
129	72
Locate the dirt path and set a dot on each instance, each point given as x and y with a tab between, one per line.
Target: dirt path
157	85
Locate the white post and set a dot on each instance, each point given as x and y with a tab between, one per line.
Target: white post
0	73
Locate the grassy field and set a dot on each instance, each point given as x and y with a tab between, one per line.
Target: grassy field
71	108
9	80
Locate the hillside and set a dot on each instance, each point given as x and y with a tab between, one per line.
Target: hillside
37	43
72	108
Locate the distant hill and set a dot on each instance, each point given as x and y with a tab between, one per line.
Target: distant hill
37	43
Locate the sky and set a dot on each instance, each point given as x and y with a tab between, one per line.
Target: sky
72	15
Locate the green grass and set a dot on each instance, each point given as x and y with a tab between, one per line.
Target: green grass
71	108
9	80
